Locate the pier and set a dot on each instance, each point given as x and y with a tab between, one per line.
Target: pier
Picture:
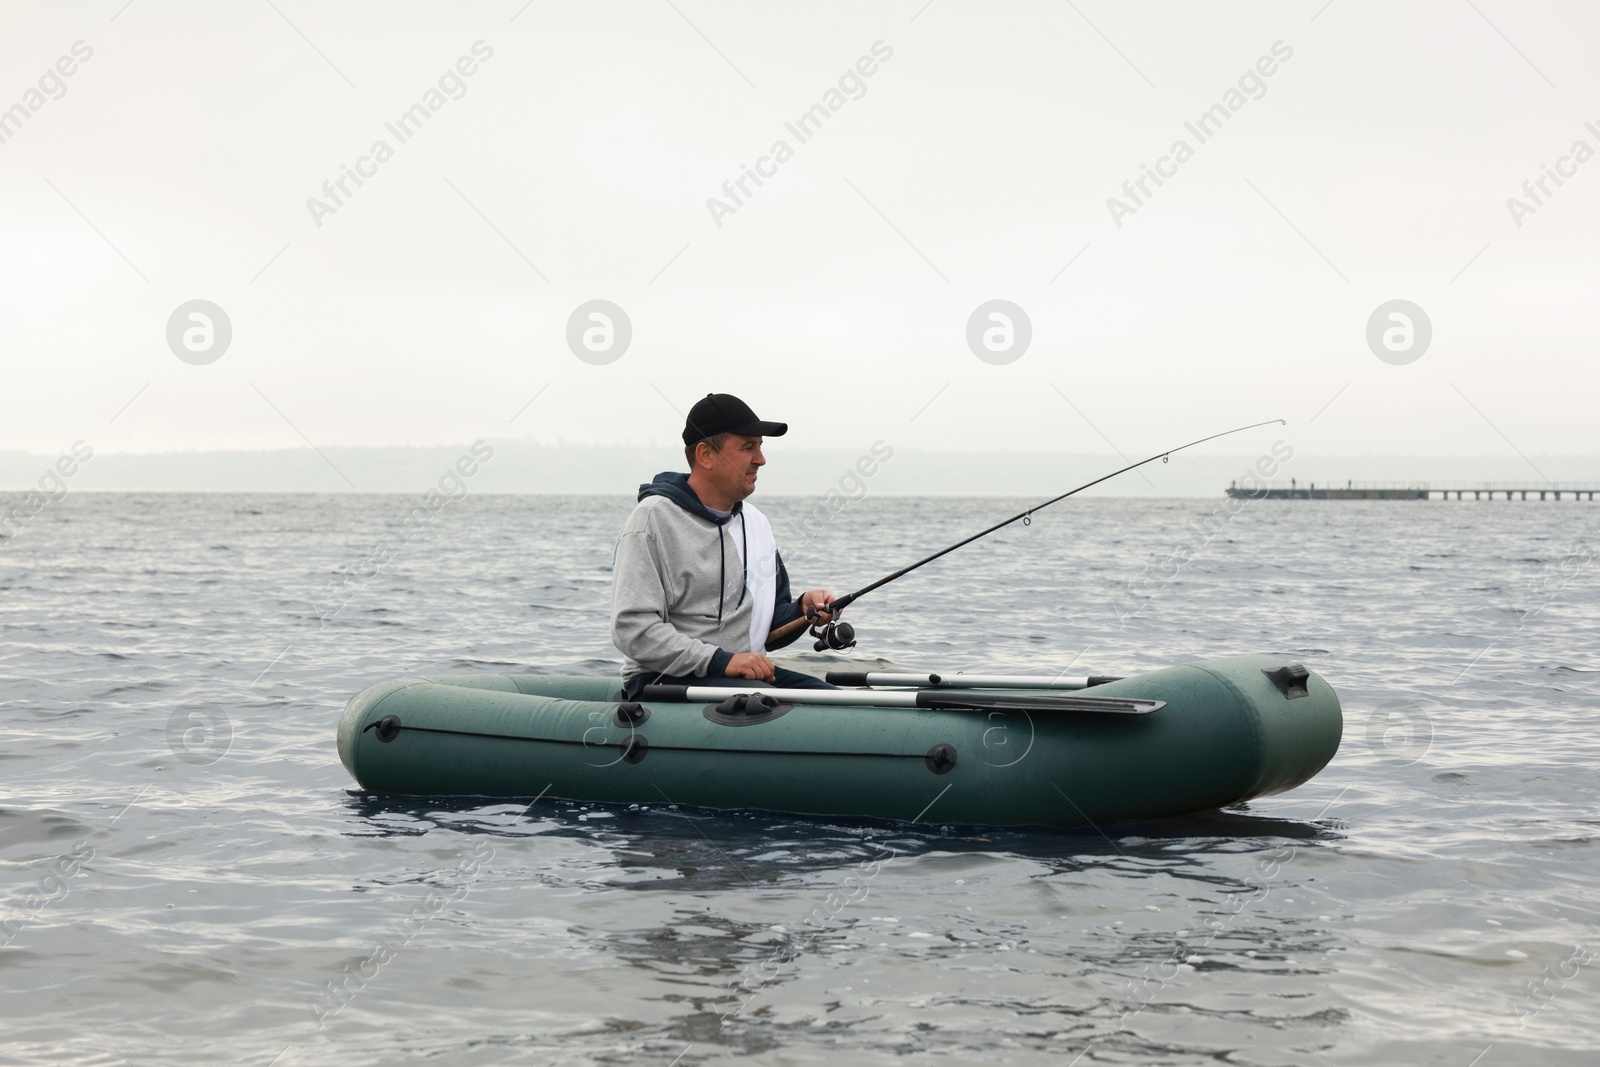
1293	490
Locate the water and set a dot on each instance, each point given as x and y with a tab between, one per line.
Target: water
188	877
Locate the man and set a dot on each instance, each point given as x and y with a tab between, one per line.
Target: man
698	582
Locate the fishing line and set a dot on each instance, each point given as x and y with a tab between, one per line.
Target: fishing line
841	635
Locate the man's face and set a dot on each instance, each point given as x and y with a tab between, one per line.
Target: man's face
734	469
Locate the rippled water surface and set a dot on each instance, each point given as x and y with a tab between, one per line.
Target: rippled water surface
190	877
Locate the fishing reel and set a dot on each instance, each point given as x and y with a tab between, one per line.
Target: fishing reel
834	635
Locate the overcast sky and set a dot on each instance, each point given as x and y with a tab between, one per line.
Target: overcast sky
975	163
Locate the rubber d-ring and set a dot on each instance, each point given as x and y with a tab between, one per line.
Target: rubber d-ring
941	758
387	728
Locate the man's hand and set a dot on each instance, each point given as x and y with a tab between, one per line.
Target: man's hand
819	599
752	665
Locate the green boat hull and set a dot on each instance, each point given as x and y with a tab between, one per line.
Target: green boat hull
1228	732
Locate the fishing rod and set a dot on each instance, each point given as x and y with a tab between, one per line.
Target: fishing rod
841	635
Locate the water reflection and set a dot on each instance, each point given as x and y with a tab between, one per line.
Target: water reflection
726	848
1219	956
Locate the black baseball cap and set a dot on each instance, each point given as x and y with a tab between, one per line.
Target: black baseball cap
726	413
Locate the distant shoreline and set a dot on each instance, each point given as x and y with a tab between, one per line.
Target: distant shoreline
577	470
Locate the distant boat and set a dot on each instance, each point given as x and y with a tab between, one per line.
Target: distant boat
1292	490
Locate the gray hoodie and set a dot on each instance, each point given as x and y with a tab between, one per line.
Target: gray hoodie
679	603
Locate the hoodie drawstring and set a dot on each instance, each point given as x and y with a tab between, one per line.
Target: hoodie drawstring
722	572
722	566
744	531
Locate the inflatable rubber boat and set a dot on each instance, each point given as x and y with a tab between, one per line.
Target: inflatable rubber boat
1001	750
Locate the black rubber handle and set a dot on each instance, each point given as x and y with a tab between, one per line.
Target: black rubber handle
674	693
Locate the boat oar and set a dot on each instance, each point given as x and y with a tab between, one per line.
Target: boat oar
840	603
925	699
969	681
